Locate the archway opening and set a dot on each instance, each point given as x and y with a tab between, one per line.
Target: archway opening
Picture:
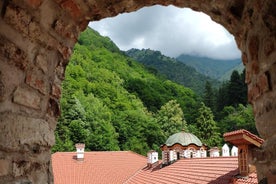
135	86
37	47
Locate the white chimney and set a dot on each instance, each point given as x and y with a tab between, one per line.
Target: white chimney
152	158
234	151
225	150
80	151
214	152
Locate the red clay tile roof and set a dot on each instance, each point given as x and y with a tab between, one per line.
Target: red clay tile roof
251	179
213	170
108	167
128	167
240	134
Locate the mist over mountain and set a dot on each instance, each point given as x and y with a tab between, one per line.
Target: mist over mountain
213	68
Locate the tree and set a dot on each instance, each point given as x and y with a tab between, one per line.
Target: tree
208	96
240	117
78	131
207	127
170	118
102	135
235	89
244	89
72	110
222	97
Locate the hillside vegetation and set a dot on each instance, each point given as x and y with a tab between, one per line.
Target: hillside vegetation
111	102
213	68
172	69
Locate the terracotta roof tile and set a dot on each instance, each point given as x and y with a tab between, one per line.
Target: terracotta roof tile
97	167
130	168
251	179
196	170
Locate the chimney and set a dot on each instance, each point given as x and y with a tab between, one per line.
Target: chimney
214	152
152	158
80	151
225	150
246	142
234	151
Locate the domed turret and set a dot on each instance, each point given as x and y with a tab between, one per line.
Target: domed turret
182	145
184	139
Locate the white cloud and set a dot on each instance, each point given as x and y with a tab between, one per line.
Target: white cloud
171	30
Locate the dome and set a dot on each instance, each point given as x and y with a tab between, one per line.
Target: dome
184	139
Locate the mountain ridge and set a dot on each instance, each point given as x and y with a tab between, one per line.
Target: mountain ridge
173	69
214	68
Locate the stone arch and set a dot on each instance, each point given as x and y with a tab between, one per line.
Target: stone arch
36	41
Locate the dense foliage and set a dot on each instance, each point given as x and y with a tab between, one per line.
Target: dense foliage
172	69
112	102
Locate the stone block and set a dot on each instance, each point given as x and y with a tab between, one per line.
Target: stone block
42	63
25	134
253	47
34	3
54	108
269	47
18	18
253	92
4	167
20	167
2	90
56	91
263	83
65	51
265	117
26	97
37	80
60	72
14	55
72	8
66	30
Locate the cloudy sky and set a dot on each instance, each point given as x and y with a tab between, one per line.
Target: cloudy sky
171	30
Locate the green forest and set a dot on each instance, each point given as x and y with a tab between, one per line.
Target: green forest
112	102
172	69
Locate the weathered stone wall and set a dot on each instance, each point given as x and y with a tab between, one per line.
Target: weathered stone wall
36	41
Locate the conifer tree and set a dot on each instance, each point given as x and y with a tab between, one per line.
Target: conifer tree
207	127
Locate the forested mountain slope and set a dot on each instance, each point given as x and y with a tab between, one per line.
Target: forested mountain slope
172	69
227	75
112	102
213	68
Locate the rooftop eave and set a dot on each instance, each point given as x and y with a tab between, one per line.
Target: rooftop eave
241	137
